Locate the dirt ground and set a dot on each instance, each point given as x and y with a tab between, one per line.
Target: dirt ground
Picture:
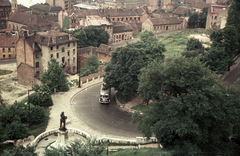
11	90
202	38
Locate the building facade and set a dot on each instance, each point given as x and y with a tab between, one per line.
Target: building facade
7	45
5	9
157	25
65	4
35	51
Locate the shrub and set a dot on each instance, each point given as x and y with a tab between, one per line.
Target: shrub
17	130
37	115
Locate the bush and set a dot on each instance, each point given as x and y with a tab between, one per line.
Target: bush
42	97
17	130
38	115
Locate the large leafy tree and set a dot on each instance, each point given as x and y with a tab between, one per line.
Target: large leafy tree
203	17
91	66
20	151
55	77
193	20
191	111
90	36
194	45
223	49
123	69
234	18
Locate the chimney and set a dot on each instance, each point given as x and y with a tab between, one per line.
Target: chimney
53	40
70	37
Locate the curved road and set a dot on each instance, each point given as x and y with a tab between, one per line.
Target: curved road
106	118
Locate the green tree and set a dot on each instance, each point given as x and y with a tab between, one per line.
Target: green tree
37	115
189	13
193	20
78	147
91	66
203	17
91	36
123	69
162	10
55	77
223	49
185	13
42	96
195	45
17	130
20	151
191	111
2	26
176	5
234	18
66	22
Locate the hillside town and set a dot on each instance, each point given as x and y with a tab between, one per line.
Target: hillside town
56	56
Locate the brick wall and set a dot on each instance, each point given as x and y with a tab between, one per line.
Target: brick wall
25	74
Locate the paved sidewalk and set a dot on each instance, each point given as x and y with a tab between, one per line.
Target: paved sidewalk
62	103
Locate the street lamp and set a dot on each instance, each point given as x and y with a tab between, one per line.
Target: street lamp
79	80
29	109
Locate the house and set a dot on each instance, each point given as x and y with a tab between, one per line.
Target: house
40	8
198	7
18	19
217	14
22	8
5	9
7	45
65	4
157	25
179	12
35	51
103	53
121	31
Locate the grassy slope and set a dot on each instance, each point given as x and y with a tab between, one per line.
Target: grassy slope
175	44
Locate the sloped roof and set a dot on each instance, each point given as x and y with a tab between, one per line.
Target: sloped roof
201	5
105	49
180	10
121	27
23	8
164	21
42	7
46	38
108	12
5	3
30	40
8	40
55	9
96	21
86	50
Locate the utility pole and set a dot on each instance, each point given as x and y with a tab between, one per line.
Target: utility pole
29	109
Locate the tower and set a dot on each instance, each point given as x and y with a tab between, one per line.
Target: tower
14	6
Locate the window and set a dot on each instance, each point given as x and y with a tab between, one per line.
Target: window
63	50
68	44
68	52
3	49
3	56
52	48
51	55
68	61
73	43
37	74
57	55
37	64
37	56
9	56
73	51
74	60
9	49
63	59
57	47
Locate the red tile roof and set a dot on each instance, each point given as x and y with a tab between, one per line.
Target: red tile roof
201	5
165	21
8	40
121	27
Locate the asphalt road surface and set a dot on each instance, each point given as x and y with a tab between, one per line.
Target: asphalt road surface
106	118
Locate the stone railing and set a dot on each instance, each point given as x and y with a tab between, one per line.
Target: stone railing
52	131
91	77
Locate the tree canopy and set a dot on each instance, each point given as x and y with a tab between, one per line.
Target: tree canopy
193	20
203	17
126	62
191	111
91	66
90	36
194	44
55	77
223	49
